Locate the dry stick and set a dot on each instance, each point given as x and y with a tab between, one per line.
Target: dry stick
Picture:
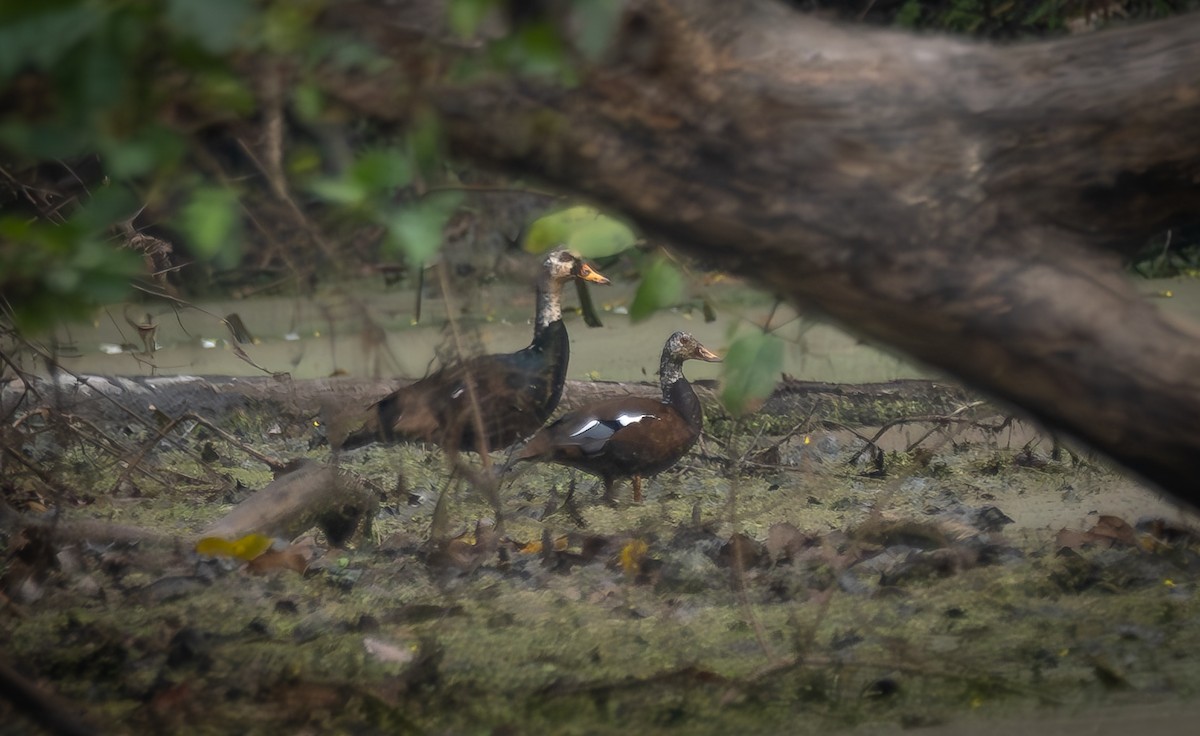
489	487
273	463
491	189
115	448
285	196
938	418
790	433
773	670
47	709
739	569
913	445
45	193
41	474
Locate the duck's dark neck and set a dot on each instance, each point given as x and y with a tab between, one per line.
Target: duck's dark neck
549	304
679	393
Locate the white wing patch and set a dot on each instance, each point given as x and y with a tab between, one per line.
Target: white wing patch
458	392
591	423
627	419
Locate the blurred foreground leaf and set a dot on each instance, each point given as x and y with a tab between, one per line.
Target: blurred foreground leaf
661	286
583	230
51	271
752	366
416	230
211	219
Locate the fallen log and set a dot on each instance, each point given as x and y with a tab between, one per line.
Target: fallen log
307	495
965	203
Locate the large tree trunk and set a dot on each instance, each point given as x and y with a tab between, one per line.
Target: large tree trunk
965	203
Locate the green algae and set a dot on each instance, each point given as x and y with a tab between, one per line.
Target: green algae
592	648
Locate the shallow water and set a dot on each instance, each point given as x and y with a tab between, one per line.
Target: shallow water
328	334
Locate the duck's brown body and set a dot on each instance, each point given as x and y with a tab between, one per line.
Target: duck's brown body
630	437
490	401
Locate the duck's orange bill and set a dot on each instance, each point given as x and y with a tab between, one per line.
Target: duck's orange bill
704	353
587	273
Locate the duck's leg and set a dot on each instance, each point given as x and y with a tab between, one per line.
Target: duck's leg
637	489
609	497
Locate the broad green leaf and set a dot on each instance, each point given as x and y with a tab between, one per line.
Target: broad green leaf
581	229
107	206
751	368
535	50
661	286
466	15
597	25
211	221
213	24
220	89
377	172
50	272
308	102
425	143
344	191
416	231
101	75
41	33
909	14
287	27
153	148
45	140
382	169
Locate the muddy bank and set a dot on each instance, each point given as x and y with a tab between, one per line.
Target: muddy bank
771	583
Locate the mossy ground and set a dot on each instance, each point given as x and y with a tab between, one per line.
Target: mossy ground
670	638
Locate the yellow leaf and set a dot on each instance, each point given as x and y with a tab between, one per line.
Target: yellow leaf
246	548
531	548
632	555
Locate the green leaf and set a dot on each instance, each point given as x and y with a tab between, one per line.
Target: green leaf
751	368
50	272
154	148
535	50
425	143
344	191
39	34
213	24
661	286
909	14
220	89
106	207
287	27
597	25
308	102
211	221
582	229
466	15
416	231
382	169
376	174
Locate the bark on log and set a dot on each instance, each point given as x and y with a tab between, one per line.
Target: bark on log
309	495
120	400
962	202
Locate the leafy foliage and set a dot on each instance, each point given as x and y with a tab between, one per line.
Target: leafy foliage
1008	20
70	71
583	230
661	286
50	271
751	370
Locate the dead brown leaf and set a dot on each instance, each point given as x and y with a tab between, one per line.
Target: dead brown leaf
295	557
